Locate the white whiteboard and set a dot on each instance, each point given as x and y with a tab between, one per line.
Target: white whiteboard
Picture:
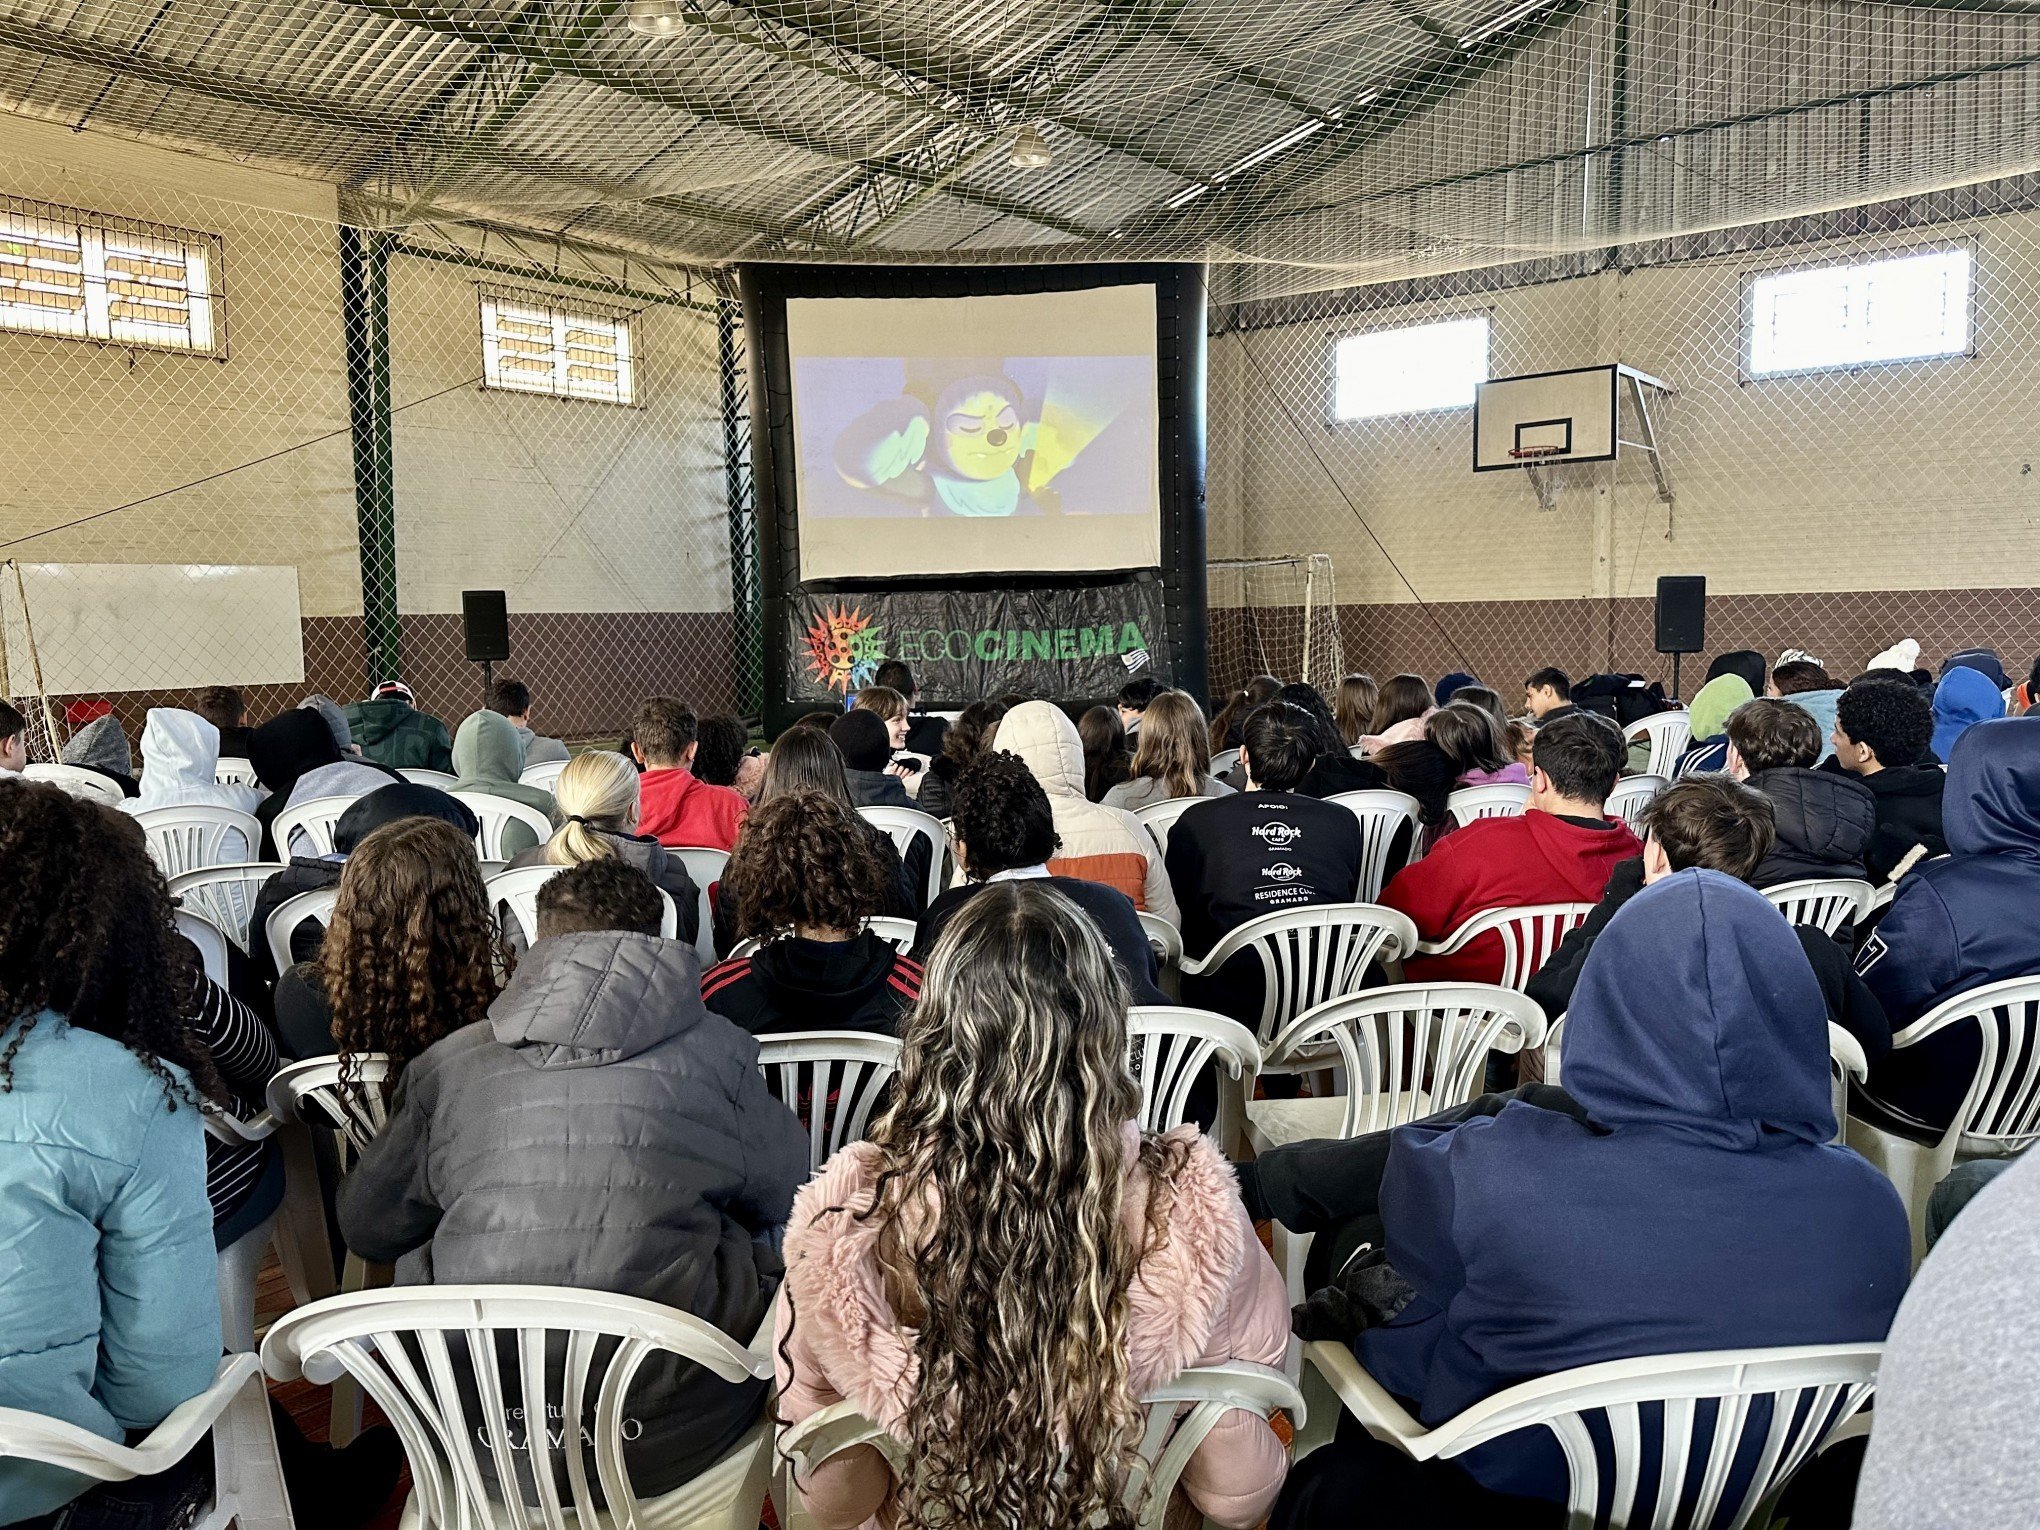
102	627
1572	413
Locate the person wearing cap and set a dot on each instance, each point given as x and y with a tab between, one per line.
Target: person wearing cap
390	730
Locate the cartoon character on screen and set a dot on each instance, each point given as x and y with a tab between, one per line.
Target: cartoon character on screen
963	445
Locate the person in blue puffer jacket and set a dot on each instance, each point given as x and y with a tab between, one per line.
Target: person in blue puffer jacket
111	1317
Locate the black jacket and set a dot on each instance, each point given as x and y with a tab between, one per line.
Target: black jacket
814	985
1850	1004
1335	773
875	788
1232	859
937	786
1908	817
303	874
1110	909
1824	821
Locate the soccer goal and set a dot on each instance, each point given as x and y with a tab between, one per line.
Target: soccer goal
1275	616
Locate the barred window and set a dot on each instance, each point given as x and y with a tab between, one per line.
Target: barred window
87	277
533	345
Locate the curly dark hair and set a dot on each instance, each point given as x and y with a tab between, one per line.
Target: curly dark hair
970	735
805	860
719	751
1895	718
96	941
1002	815
413	952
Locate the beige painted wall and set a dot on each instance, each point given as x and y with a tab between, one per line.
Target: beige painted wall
1913	476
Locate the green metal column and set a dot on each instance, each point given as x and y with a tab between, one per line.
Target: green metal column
365	315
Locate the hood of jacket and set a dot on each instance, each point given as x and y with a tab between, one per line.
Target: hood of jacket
1822	814
486	750
372	722
400	799
1984	661
1964	698
826	976
1173	1304
1992	802
1696	1010
335	716
102	745
1043	736
179	749
288	746
1714	701
582	1001
1822	706
1745	662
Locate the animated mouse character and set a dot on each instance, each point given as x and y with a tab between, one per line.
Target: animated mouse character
966	449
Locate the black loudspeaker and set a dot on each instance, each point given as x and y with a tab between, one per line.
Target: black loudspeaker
1682	613
485	623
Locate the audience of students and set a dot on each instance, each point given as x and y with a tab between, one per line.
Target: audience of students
1098	844
1529	1240
924	731
1957	923
180	765
598	801
1134	697
864	740
723	756
964	742
1107	761
1003	830
1562	849
1547	696
1000	1295
488	1170
1824	819
1964	698
1399	713
227	710
1353	707
512	698
677	807
1713	704
13	741
297	756
1232	717
1882	730
101	746
806	880
1173	758
488	758
392	731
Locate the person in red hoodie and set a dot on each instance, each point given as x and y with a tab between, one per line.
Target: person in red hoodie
1561	850
674	805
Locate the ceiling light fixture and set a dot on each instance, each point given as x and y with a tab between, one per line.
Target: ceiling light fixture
1186	196
1269	150
1030	149
656	18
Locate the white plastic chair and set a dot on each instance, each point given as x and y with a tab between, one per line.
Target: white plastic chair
240	1262
1179	1416
904	826
77	782
1166	941
292	912
1529	935
1169	1045
545	776
1631	796
1381	814
832	1080
1823	903
1668	732
1507	800
232	770
1847	1065
535	1354
706	866
1160	817
210	939
192	838
1811	1391
225	895
248	1478
516	889
1880	899
497	814
897	933
315	819
419	775
1222	763
2000	1113
1309	955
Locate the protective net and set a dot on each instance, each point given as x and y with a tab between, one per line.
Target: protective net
1274	616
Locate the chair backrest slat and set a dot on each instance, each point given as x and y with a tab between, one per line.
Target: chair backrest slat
531	1366
1381	815
904	826
226	896
832	1080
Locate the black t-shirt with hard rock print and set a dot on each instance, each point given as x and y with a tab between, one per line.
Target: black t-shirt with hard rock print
1236	858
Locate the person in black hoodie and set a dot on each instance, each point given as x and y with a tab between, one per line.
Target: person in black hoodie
1882	729
1824	820
867	750
1720	825
963	744
1004	830
809	881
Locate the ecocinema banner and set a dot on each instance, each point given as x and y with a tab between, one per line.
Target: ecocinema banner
966	645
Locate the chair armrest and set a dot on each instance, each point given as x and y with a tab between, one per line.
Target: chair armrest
37	1437
224	1127
1366	1399
832	1431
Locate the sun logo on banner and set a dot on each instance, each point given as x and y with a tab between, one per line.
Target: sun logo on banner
844	649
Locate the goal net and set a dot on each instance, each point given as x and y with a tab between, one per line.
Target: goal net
1274	616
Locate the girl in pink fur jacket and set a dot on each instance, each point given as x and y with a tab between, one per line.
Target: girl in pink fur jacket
1010	1264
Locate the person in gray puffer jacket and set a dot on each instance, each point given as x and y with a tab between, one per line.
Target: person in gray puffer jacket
601	1129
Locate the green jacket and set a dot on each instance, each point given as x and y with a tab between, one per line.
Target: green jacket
396	734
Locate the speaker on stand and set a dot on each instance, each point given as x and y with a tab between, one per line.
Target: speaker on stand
485	625
1681	618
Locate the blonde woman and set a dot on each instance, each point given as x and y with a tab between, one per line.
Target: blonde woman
598	803
1001	1273
1171	757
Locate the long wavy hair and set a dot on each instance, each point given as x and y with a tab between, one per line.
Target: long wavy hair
598	790
413	952
87	931
1353	707
1174	746
1004	1162
1232	717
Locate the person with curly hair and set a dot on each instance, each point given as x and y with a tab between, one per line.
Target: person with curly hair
1010	1264
962	744
723	756
1882	730
412	953
112	1315
807	880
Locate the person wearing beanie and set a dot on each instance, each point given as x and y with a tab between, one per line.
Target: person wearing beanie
863	740
1984	661
1452	685
1903	656
297	756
